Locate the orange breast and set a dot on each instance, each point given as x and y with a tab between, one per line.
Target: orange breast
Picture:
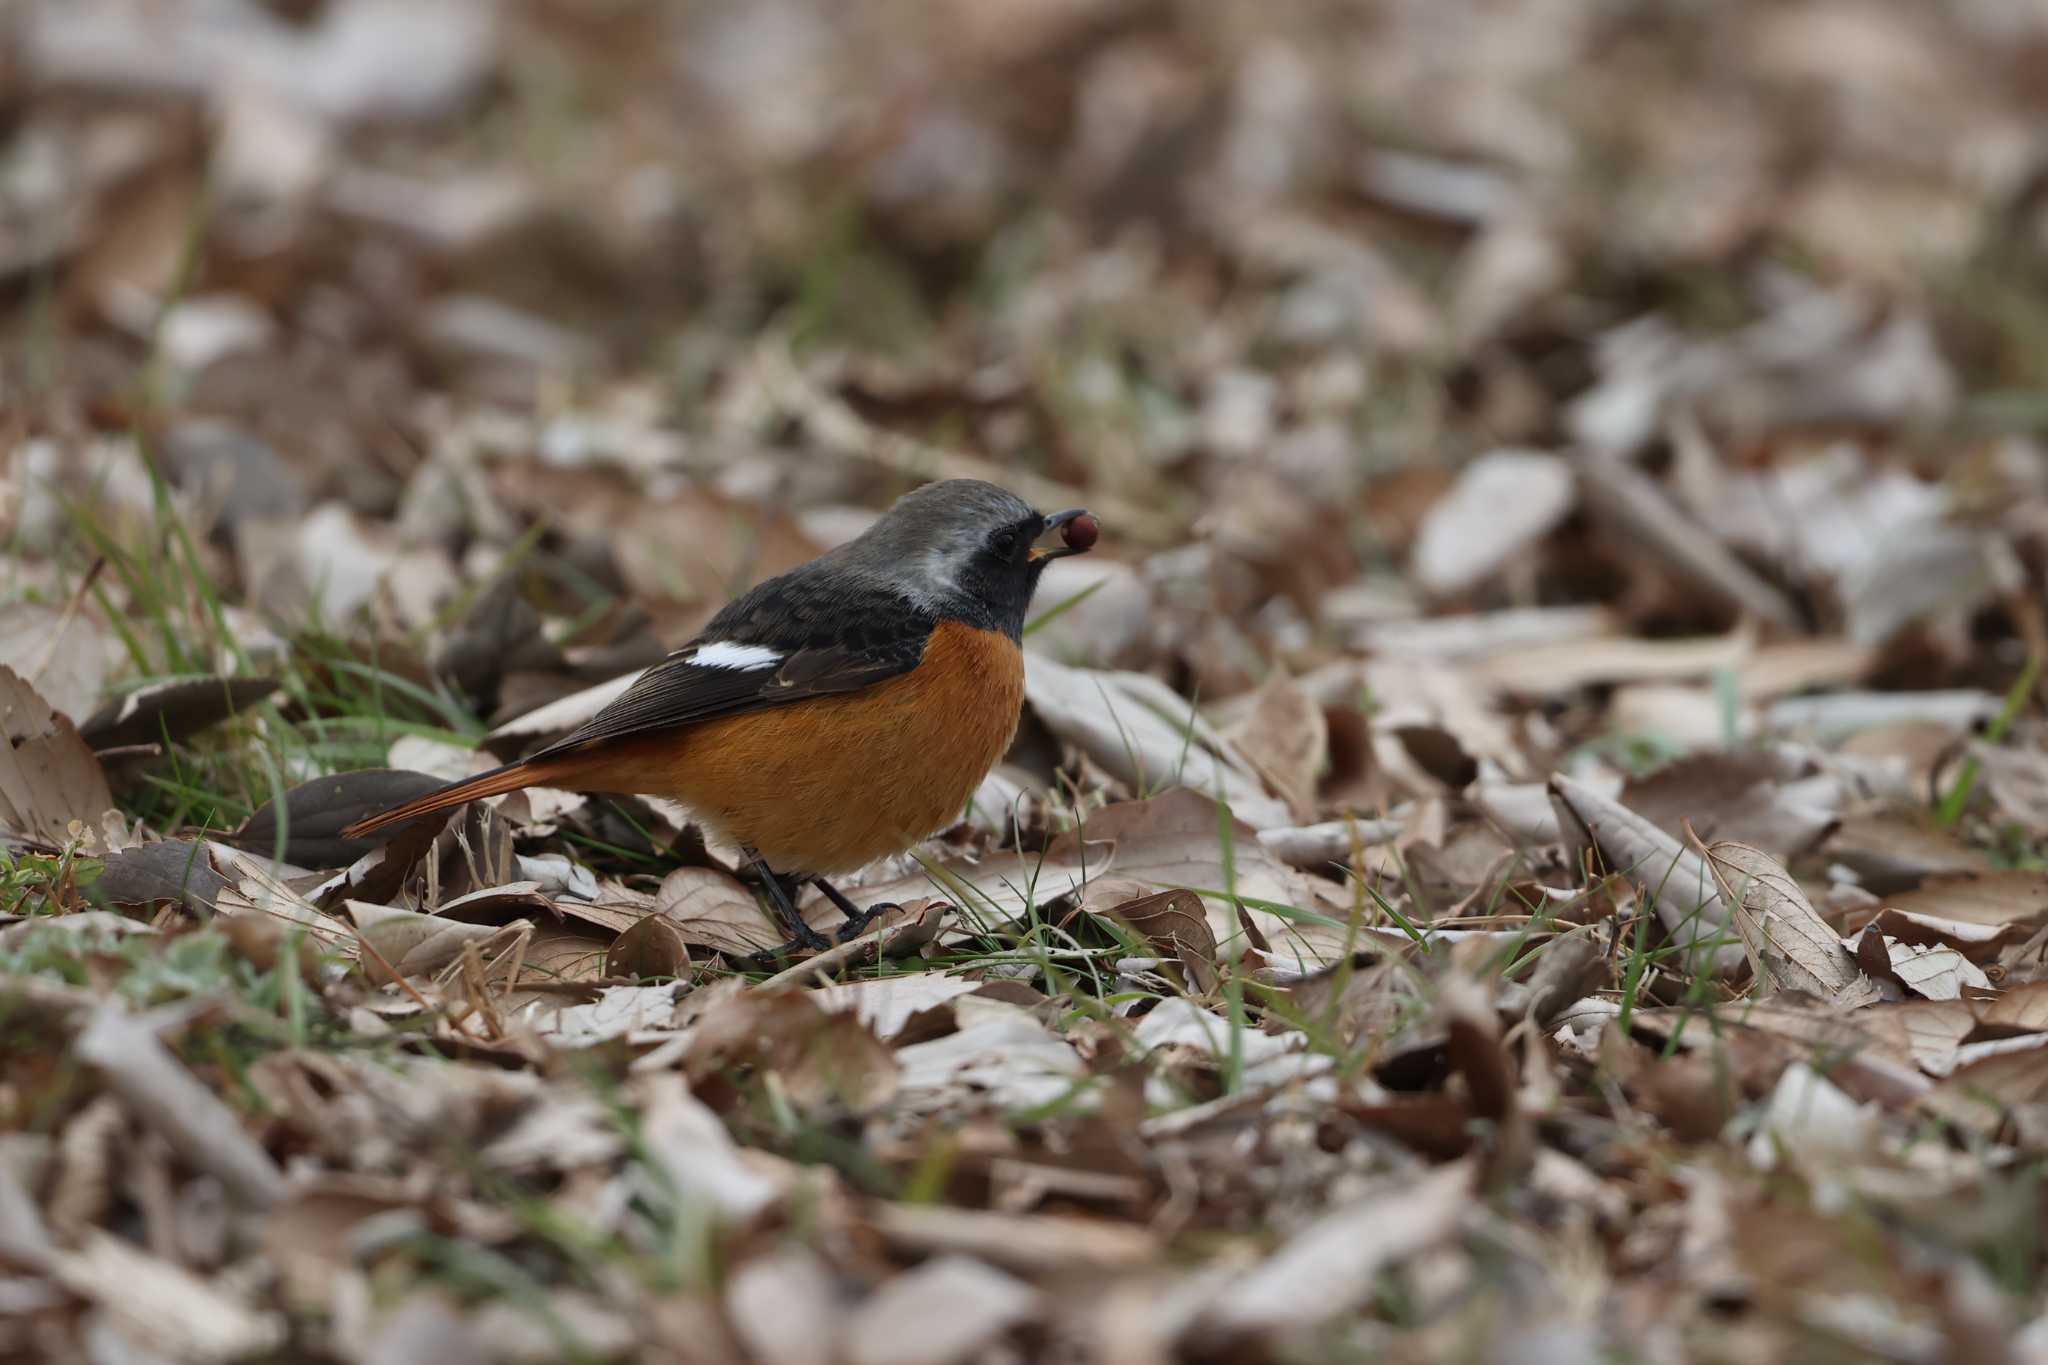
827	785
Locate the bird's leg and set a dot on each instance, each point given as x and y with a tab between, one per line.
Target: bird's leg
856	918
801	935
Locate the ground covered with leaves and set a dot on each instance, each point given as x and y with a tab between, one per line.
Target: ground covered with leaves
1526	839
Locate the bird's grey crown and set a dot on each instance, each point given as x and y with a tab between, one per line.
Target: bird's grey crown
925	544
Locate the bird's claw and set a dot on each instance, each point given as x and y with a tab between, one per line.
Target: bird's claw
857	922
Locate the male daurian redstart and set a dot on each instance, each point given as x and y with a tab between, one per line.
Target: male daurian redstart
835	714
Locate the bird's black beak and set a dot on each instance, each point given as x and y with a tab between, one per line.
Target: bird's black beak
1077	535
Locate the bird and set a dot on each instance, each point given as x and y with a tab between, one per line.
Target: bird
832	715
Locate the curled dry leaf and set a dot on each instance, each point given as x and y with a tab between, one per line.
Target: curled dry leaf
619	1012
2018	782
413	944
652	948
712	909
687	1143
1986	1090
2006	897
161	1308
1933	973
1184	1024
2023	1008
1001	1056
1318	847
1174	922
1547	669
1473	1042
1790	946
387	867
1930	1032
48	777
1756	799
784	1307
1675	878
1977	942
1809	1117
820	1057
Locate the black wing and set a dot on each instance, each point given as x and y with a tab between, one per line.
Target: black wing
813	631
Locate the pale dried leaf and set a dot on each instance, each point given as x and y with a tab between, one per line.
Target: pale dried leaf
59	653
165	1306
48	777
1790	946
710	908
1144	735
944	1311
1330	1266
1503	501
156	1086
784	1307
1029	1244
1938	973
1000	1056
887	1004
1284	738
619	1012
690	1146
412	944
1688	903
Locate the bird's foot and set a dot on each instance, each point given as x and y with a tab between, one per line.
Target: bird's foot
857	921
806	939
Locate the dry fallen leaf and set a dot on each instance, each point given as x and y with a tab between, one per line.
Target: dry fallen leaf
1284	737
1330	1266
654	947
1503	501
887	1004
819	1058
1443	439
946	1310
1934	973
60	653
1175	922
410	944
712	909
1143	734
156	1086
688	1144
48	778
1790	946
1687	902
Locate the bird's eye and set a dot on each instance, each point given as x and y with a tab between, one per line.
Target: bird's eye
1005	544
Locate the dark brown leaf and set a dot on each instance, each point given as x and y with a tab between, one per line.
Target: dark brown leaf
173	710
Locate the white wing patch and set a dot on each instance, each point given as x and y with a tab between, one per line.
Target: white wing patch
726	654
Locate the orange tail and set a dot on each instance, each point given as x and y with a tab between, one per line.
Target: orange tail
496	782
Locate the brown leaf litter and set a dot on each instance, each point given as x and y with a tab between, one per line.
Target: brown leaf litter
1525	842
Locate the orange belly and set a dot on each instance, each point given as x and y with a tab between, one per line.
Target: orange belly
833	783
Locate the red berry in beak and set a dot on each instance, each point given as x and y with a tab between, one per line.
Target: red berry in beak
1080	533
